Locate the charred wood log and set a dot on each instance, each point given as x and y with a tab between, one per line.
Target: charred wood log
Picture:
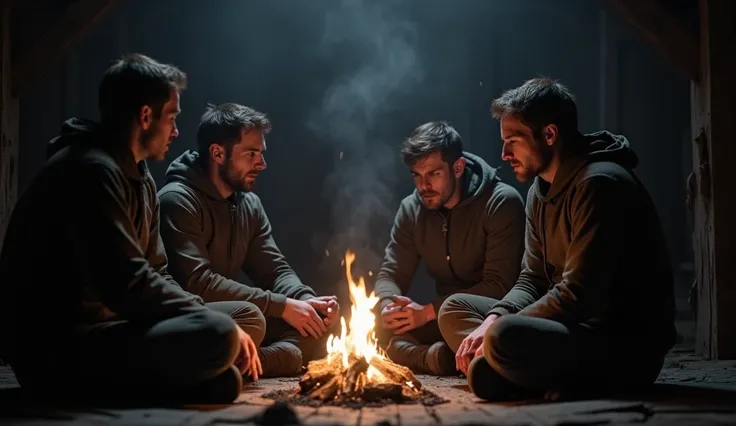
376	392
395	373
351	382
328	391
318	373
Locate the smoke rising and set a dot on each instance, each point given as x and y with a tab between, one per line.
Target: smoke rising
377	48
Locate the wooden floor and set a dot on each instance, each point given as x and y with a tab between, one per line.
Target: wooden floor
690	392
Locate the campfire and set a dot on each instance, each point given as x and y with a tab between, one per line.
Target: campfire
355	370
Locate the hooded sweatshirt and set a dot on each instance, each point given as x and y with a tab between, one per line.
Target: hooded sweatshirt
209	239
473	248
82	246
595	251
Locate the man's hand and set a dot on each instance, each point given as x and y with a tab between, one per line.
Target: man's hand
404	315
327	307
302	316
247	360
472	345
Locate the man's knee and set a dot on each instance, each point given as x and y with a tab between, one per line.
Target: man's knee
452	311
216	344
251	320
504	339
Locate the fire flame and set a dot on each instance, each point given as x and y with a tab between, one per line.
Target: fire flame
360	340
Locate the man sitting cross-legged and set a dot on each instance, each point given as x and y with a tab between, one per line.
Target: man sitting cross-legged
89	309
469	229
593	308
213	226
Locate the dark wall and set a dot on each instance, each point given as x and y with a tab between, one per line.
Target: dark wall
355	78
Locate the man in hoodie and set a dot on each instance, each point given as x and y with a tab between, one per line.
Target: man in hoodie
467	225
593	307
214	227
87	298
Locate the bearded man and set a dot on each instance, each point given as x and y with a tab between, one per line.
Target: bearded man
214	227
468	227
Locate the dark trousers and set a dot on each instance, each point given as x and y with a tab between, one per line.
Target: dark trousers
188	358
527	356
284	350
460	314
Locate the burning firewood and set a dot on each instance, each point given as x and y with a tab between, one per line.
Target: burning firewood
355	370
318	373
395	372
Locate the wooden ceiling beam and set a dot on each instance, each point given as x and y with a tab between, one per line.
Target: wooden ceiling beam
660	28
75	23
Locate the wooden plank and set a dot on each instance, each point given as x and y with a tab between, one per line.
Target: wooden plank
75	23
714	153
334	416
8	126
386	416
662	30
416	415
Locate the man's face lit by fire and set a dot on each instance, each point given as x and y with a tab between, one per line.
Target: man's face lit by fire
244	161
526	154
436	181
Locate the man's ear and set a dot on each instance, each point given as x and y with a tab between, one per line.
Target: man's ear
217	153
550	133
145	117
458	167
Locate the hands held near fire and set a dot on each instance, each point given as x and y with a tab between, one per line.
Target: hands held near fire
327	307
304	315
247	360
404	315
472	346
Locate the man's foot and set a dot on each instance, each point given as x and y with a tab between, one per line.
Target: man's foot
280	359
487	384
436	360
441	360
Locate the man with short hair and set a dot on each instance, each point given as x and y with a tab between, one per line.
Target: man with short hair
214	226
593	308
467	225
87	296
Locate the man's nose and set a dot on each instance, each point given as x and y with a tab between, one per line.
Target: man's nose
506	153
175	133
262	164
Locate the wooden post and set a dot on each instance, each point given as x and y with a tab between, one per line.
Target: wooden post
8	126
714	156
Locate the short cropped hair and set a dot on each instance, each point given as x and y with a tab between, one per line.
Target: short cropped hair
132	82
222	125
431	137
537	103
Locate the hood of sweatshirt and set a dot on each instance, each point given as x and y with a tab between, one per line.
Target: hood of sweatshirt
596	147
79	132
187	169
475	180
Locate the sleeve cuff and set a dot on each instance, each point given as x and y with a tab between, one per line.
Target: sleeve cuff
276	305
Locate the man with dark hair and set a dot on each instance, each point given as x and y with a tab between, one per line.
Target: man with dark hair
592	309
468	227
83	256
214	227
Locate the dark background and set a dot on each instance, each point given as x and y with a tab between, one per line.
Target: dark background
355	77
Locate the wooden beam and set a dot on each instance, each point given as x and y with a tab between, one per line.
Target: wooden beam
664	31
8	126
714	156
75	23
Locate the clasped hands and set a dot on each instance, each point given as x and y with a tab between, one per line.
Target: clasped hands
312	317
403	315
